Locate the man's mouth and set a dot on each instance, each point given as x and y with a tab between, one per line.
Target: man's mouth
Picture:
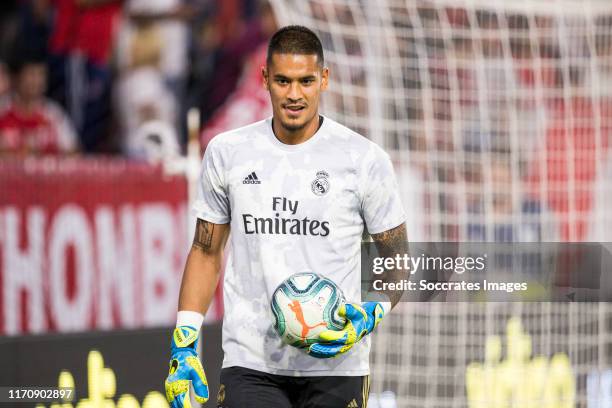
294	108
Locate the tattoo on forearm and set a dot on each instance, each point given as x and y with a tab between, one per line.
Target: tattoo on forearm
389	243
203	235
392	241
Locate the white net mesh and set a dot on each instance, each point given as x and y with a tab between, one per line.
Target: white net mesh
498	116
472	355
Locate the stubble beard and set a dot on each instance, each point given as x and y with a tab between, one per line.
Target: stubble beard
295	127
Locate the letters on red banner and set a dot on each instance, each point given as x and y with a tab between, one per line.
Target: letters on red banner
90	244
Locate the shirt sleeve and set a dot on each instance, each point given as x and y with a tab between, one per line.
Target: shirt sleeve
212	201
381	204
67	137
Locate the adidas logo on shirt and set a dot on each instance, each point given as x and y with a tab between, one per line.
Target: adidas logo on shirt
251	179
352	404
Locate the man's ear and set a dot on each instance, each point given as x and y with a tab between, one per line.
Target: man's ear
324	78
264	77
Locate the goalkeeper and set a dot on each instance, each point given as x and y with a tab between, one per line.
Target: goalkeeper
297	190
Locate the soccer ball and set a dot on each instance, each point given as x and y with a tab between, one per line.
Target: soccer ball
304	305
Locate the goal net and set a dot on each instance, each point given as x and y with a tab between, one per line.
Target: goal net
510	355
497	115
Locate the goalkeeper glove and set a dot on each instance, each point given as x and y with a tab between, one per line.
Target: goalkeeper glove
185	367
360	320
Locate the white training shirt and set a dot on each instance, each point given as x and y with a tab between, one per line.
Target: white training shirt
292	208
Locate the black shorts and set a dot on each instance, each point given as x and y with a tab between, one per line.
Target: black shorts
245	388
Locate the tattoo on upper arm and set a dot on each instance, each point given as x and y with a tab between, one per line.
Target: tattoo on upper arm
203	234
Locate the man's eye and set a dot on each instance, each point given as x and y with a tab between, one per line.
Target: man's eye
307	81
282	81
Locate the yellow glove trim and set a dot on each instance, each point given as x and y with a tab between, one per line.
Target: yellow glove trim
175	388
195	363
179	338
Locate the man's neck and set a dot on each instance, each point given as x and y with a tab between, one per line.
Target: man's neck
298	136
25	105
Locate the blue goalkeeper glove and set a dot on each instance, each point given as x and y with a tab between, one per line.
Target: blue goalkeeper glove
360	321
185	367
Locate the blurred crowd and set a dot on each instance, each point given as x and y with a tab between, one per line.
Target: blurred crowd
118	76
510	111
505	114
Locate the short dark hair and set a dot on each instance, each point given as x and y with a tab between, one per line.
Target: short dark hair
295	39
23	57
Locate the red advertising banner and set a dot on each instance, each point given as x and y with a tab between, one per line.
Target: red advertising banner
89	244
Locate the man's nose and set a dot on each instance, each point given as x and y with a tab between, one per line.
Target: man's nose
295	93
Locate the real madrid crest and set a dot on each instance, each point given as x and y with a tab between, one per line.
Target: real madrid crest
320	185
